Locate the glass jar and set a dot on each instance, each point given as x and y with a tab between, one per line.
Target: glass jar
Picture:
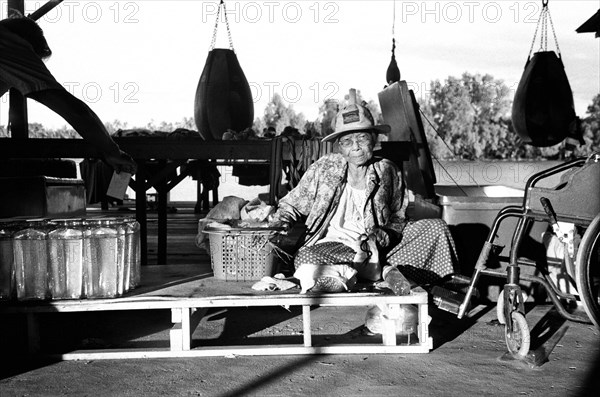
31	261
65	258
100	258
7	266
119	225
91	277
133	252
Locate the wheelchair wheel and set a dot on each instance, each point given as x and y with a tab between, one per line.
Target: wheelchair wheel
587	269
500	306
518	340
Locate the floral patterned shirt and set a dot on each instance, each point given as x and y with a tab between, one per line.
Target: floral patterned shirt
318	193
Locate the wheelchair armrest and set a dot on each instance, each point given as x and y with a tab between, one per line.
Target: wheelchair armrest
535	178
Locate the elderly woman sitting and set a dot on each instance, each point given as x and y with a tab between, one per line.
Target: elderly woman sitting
354	207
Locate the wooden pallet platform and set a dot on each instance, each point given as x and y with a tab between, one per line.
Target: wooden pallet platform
189	293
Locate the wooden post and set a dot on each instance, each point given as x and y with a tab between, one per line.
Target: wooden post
162	201
17	112
17	115
275	169
307	335
140	209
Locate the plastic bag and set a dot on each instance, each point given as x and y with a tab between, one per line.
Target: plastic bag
405	316
327	278
227	209
256	210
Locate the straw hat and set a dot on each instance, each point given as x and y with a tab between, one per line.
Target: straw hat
354	117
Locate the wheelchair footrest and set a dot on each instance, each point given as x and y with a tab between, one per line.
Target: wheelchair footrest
446	299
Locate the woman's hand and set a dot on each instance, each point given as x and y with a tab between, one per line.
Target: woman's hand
382	237
279	224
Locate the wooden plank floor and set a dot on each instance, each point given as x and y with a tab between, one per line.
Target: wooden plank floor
182	228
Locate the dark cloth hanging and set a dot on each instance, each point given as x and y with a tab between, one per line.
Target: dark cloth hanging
251	174
205	172
96	177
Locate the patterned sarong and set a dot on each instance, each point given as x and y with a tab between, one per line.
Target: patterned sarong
425	254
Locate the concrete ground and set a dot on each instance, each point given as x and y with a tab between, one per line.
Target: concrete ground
468	358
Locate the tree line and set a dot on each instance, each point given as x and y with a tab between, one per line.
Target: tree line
469	117
466	117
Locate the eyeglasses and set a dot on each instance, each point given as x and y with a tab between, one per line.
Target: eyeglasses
362	140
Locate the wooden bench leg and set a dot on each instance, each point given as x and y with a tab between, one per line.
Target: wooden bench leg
423	326
306	325
388	324
185	320
33	333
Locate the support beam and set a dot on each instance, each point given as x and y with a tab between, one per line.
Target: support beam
140	209
15	5
17	112
17	115
44	9
162	201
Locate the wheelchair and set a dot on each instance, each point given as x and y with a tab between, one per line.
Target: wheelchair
575	200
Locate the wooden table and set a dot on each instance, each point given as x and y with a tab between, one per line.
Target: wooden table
170	154
189	295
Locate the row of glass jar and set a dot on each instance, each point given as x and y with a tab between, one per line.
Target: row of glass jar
69	258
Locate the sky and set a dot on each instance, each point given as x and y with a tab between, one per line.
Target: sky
140	61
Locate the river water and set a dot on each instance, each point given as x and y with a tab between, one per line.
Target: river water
513	174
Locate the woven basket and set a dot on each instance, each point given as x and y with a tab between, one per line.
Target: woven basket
241	255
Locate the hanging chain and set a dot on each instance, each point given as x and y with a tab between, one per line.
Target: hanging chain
544	33
394	29
535	33
554	33
227	26
544	19
214	37
394	21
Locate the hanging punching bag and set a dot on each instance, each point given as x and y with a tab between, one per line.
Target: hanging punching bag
543	112
223	97
392	73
